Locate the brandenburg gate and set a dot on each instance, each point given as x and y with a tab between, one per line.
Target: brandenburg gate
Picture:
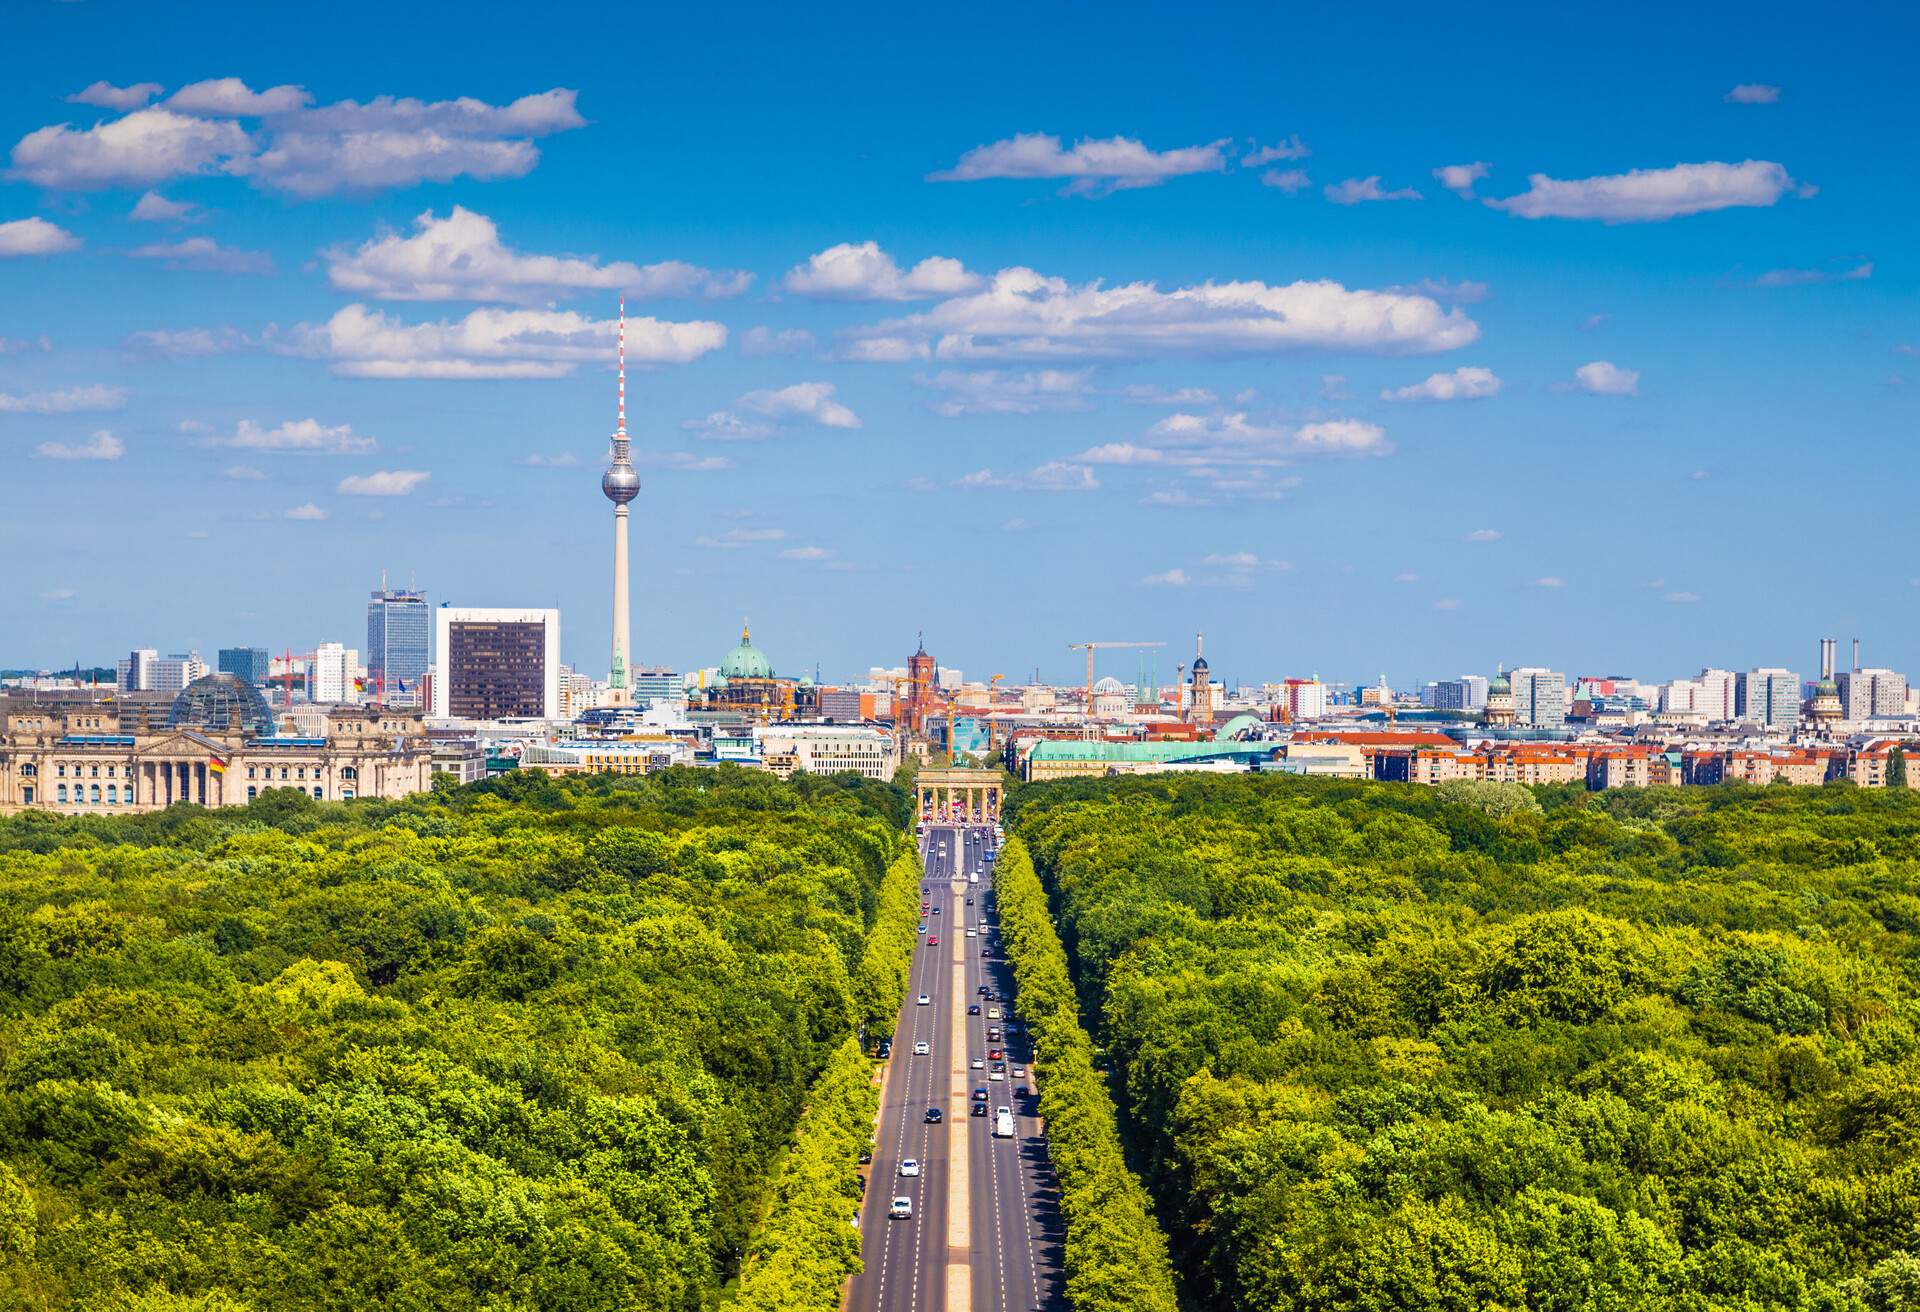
957	796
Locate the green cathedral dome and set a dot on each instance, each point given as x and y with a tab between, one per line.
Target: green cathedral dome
746	661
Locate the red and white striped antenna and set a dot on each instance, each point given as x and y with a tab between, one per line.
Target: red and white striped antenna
622	430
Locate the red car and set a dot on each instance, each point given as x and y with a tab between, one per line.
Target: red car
933	940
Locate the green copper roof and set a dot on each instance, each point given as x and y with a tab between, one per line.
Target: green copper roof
1138	753
746	660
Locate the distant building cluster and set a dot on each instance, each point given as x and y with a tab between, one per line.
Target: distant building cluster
468	691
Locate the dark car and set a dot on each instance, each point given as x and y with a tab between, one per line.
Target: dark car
1019	1090
974	1010
936	911
980	1093
979	1109
885	1049
933	1116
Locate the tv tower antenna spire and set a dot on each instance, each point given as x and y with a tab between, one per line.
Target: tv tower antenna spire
620	485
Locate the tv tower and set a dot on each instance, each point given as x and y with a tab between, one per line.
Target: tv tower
621	485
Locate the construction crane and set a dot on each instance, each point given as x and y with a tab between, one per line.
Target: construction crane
1090	648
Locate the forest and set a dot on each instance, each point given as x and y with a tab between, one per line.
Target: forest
527	1044
1487	1047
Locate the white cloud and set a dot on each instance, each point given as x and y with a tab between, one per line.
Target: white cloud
244	474
1683	598
152	207
1550	581
1803	277
1235	439
864	272
493	343
1447	603
308	165
205	255
1406	576
103	445
736	539
805	553
42	344
297	437
685	461
1484	535
58	594
108	96
812	402
146	147
1013	525
1753	93
391	142
762	340
301	149
995	392
1652	195
1287	180
1467	383
1152	394
35	237
229	97
1291	148
383	483
1176	497
1053	476
308	511
1459	178
1464	292
1096	167
565	460
187	343
1605	378
68	400
1357	191
461	258
1167	578
1022	315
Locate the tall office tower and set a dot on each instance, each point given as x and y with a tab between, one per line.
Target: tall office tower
399	646
1466	693
154	673
1539	697
1770	698
620	486
247	664
134	671
496	663
1719	695
330	674
1871	692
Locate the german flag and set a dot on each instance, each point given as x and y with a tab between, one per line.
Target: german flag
216	765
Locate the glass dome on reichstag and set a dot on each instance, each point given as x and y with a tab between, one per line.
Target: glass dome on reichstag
222	703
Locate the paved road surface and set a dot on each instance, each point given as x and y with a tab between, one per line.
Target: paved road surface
986	1230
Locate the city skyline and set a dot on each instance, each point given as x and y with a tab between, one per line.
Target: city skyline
996	367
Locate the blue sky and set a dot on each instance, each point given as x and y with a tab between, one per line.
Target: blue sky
1017	328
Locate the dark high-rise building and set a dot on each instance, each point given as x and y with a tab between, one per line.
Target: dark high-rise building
496	664
399	646
248	664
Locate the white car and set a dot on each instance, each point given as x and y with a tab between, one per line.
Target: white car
922	1048
909	1166
1019	1072
901	1209
996	1075
925	1001
978	1064
973	933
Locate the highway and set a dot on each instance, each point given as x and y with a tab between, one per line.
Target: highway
986	1231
